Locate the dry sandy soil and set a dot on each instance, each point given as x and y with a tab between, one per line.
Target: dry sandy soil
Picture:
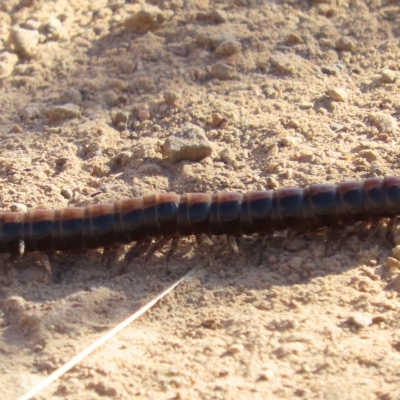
285	93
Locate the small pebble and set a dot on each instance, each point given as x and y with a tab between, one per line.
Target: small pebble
272	183
393	263
378	319
360	320
148	19
143	115
119	116
16	129
283	63
267	375
396	253
270	92
53	30
296	262
293	123
171	98
24	41
217	120
337	94
190	143
369	155
287	141
330	70
345	43
227	156
389	76
29	113
218	16
234	349
150	170
71	95
294	38
228	48
384	122
18	207
336	127
66	111
306	105
8	61
222	71
295	245
66	193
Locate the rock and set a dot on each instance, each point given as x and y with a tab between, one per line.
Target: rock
148	19
222	71
66	111
337	94
359	320
272	183
296	262
345	43
8	61
389	76
71	95
270	92
392	263
336	127
288	141
306	105
53	30
294	38
217	120
16	129
120	117
171	98
384	122
396	253
18	207
24	41
190	143
111	98
227	156
294	246
30	113
234	349
150	170
218	16
143	115
66	193
228	48
369	154
143	84
330	70
283	63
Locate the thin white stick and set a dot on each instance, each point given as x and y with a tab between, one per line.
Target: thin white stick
56	374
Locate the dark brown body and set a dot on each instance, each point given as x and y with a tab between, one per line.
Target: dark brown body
172	215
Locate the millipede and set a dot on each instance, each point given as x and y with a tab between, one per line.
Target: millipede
168	216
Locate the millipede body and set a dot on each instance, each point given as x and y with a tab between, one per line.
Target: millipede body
225	213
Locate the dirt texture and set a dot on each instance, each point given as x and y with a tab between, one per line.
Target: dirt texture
103	100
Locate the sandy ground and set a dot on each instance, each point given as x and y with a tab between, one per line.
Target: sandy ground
288	93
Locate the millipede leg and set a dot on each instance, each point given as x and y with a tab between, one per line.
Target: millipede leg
110	254
45	262
174	246
264	247
159	244
233	244
137	250
204	242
